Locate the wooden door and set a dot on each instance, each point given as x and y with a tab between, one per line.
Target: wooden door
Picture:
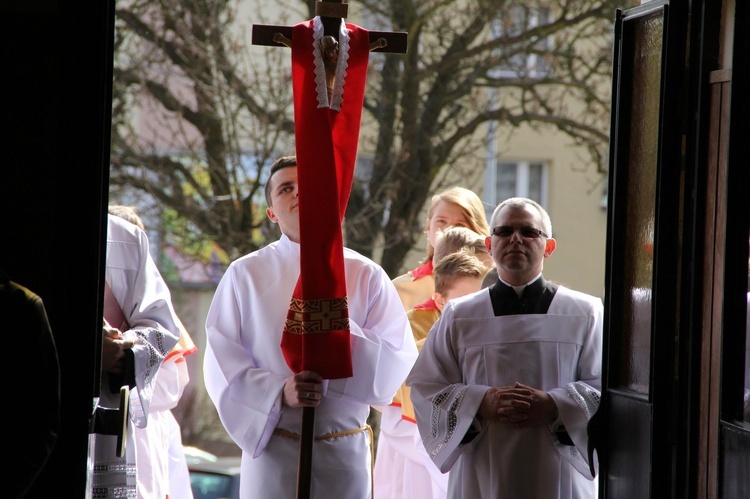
643	258
675	416
723	469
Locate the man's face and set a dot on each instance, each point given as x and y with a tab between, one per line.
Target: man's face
519	259
284	209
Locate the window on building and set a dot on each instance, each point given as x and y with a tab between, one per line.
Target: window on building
528	58
507	179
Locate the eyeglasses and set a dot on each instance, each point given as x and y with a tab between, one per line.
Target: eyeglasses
527	232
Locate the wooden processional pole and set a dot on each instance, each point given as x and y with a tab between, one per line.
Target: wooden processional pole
331	14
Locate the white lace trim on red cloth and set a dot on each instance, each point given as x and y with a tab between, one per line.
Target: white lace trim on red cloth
337	95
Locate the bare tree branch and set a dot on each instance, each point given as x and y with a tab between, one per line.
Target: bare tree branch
219	111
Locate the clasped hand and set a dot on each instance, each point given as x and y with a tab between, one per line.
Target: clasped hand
113	349
304	389
519	405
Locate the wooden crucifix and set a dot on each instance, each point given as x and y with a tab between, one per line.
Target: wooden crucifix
327	111
331	12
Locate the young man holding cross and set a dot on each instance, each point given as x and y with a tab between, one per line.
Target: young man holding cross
259	398
342	321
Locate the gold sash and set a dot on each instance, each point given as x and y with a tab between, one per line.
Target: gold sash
337	434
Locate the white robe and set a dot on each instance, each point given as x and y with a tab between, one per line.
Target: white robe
470	350
245	371
146	303
179	474
160	458
403	470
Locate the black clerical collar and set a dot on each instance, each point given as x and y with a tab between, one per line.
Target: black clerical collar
535	299
519	289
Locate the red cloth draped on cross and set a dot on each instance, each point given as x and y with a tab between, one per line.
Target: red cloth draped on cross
316	332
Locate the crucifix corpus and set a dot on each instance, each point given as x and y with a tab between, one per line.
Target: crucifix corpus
329	70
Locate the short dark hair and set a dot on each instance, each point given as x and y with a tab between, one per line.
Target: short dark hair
282	162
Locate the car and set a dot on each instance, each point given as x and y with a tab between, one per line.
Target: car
215	479
195	455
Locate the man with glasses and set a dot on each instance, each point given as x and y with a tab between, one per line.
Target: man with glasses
509	376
